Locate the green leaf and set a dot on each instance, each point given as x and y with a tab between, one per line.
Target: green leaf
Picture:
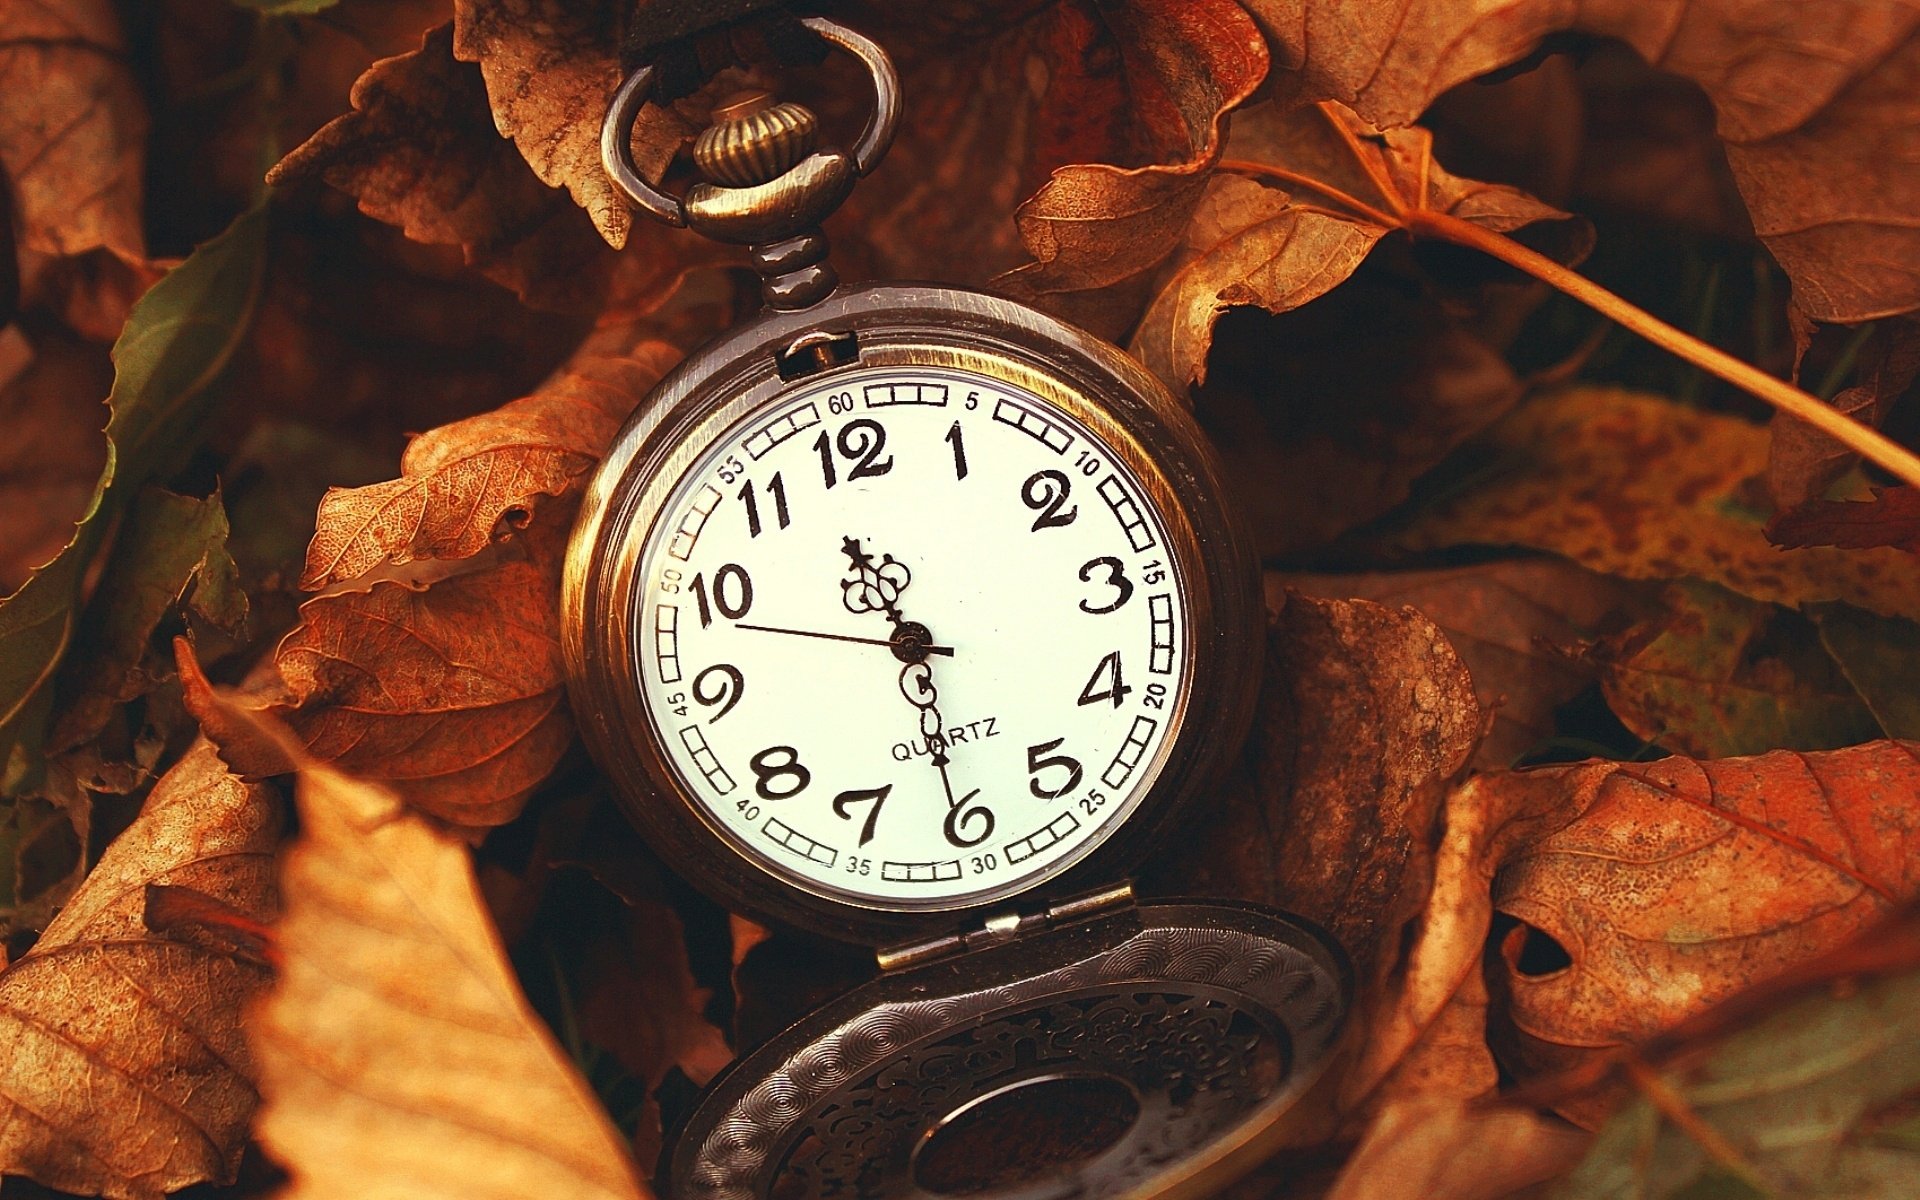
1717	675
1881	658
180	337
1800	1096
172	548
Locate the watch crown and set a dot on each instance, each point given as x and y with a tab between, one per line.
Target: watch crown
753	140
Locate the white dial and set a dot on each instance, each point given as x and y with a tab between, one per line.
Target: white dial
912	637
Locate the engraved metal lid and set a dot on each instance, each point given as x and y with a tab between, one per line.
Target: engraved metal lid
1153	1051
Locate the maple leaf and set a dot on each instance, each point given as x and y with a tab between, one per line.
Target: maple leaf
124	1073
1266	247
397	1055
1800	102
462	480
72	132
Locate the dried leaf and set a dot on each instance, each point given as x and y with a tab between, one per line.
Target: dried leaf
1891	518
1366	716
50	461
1880	657
72	133
1101	224
124	1071
1438	1148
1801	103
181	336
1513	623
462	481
1802	462
1260	246
550	68
452	694
418	151
1814	1100
1673	885
397	1056
1718	675
1632	485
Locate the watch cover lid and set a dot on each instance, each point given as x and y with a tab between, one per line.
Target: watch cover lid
1152	1051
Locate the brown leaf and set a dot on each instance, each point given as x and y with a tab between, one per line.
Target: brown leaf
1365	716
1280	249
1677	884
419	151
1891	518
550	68
124	1072
462	481
1801	104
397	1055
52	405
1438	1148
1633	485
453	694
1802	462
72	131
1513	623
1100	224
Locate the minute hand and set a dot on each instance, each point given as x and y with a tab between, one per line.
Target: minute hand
839	637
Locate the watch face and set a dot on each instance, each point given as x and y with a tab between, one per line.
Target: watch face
912	637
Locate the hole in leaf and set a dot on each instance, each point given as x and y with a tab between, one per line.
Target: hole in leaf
1533	953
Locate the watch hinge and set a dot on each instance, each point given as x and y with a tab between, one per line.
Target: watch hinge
1005	925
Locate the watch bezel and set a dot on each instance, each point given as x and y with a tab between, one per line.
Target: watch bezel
723	383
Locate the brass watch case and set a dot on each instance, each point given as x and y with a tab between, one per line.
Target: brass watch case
739	375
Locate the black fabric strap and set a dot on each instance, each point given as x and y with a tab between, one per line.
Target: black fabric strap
690	41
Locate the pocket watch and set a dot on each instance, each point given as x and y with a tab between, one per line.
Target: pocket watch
912	617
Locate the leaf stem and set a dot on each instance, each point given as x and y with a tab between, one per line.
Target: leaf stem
1241	166
1782	395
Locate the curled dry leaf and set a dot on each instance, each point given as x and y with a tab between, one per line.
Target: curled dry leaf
397	1055
1108	217
1679	883
1806	99
462	480
123	1071
1633	485
1667	886
72	132
1280	249
1514	624
1366	716
419	152
453	694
